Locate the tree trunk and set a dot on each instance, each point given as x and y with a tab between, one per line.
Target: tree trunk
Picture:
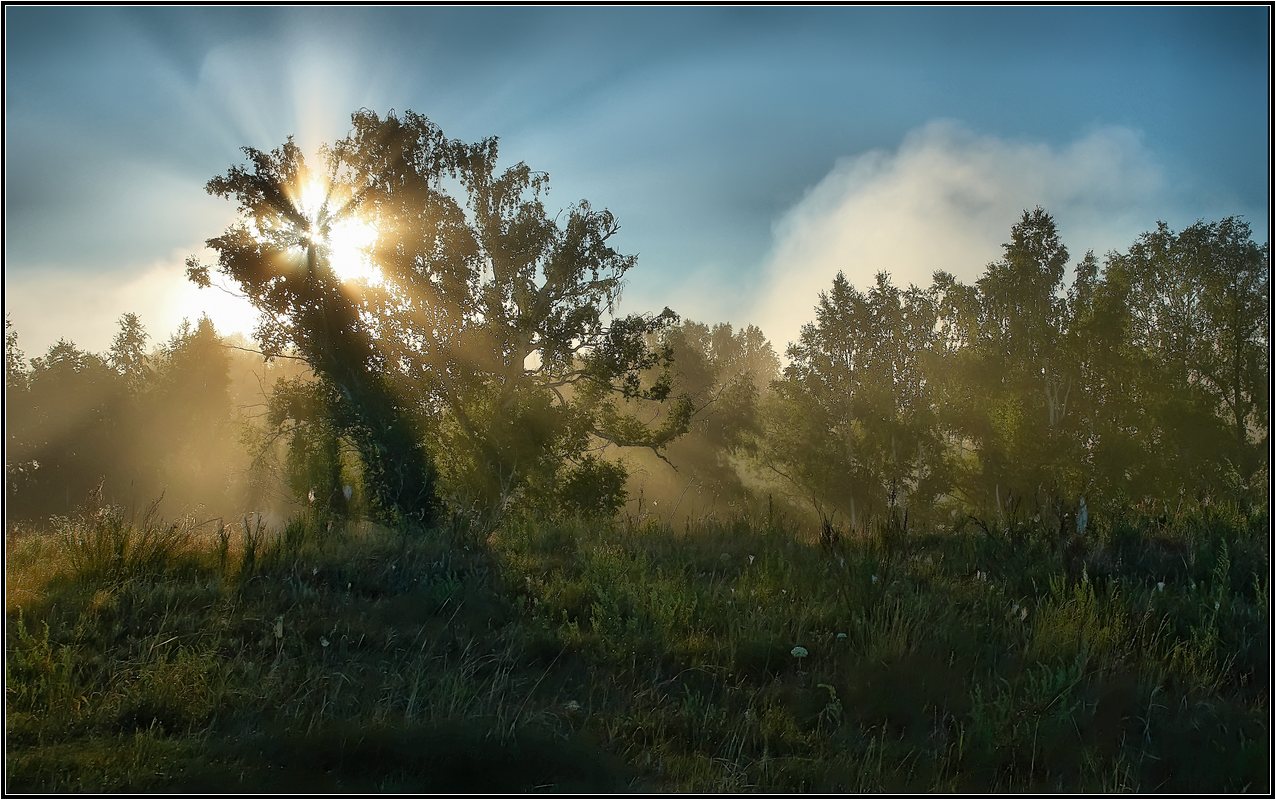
397	470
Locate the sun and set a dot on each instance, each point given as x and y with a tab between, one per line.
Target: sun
347	240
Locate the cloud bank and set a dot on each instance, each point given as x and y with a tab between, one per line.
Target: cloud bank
946	199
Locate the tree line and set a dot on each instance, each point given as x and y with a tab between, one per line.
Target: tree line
1142	380
487	369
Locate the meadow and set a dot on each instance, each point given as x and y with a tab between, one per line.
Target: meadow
588	654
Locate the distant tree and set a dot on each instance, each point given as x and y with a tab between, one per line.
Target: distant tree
128	352
722	373
1011	383
854	417
15	361
182	433
72	431
18	415
483	307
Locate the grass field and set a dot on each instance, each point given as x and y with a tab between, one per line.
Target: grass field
577	655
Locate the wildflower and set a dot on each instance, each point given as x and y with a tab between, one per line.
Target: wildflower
314	572
572	706
311	495
1160	586
980	575
874	579
323	641
348	491
841	637
799	652
1216	605
751	557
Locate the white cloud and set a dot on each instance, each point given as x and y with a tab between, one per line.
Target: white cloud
946	199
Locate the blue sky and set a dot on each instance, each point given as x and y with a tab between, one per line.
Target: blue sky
748	153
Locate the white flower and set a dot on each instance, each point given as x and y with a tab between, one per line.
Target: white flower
1160	586
323	641
799	652
572	706
874	579
841	637
1023	614
311	495
348	491
751	557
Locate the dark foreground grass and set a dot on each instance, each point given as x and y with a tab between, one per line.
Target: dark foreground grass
577	656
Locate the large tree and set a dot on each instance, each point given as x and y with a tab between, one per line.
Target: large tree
432	291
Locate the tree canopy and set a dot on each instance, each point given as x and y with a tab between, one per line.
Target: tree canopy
479	310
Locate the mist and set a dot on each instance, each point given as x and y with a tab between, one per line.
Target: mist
940	201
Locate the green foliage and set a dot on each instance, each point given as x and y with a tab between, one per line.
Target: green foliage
1018	396
592	487
934	663
858	398
486	302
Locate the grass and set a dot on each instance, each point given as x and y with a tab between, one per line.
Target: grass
583	655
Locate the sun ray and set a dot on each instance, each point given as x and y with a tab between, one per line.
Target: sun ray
346	239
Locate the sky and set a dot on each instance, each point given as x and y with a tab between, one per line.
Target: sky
749	153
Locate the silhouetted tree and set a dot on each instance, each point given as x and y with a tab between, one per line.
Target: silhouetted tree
484	306
128	352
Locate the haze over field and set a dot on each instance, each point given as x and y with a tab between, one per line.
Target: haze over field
748	154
